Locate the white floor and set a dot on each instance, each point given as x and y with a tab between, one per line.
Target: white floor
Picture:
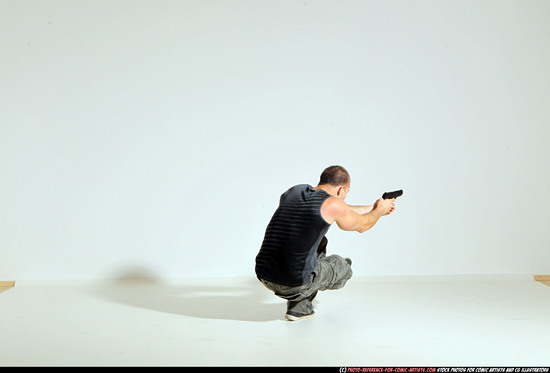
430	321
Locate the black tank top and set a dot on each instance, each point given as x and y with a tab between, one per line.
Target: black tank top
289	250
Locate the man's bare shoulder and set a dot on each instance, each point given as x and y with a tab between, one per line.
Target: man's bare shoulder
333	208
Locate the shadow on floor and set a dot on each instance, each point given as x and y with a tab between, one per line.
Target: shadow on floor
242	299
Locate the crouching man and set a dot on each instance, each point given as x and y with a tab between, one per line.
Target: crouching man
292	261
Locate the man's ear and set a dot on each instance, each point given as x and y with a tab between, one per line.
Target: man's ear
339	191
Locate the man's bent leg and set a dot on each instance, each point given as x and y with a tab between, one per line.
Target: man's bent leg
331	273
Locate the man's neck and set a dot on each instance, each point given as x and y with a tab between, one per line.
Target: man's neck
327	188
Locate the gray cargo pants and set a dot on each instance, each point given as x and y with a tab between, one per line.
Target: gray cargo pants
331	273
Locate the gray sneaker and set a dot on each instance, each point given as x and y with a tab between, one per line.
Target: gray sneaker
295	316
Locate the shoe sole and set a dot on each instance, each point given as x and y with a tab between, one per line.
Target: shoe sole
297	318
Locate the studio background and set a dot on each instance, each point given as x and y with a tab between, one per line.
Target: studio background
157	136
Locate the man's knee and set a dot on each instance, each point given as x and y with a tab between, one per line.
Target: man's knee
343	277
342	271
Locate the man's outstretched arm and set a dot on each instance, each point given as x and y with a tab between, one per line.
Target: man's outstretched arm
348	219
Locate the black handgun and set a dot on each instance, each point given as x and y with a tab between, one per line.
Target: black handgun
394	194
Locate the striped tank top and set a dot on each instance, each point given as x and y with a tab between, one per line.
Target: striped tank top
288	254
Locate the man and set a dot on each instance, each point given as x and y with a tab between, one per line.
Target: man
292	261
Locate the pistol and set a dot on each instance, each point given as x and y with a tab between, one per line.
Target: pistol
394	194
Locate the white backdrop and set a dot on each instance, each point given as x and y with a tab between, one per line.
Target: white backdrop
158	135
